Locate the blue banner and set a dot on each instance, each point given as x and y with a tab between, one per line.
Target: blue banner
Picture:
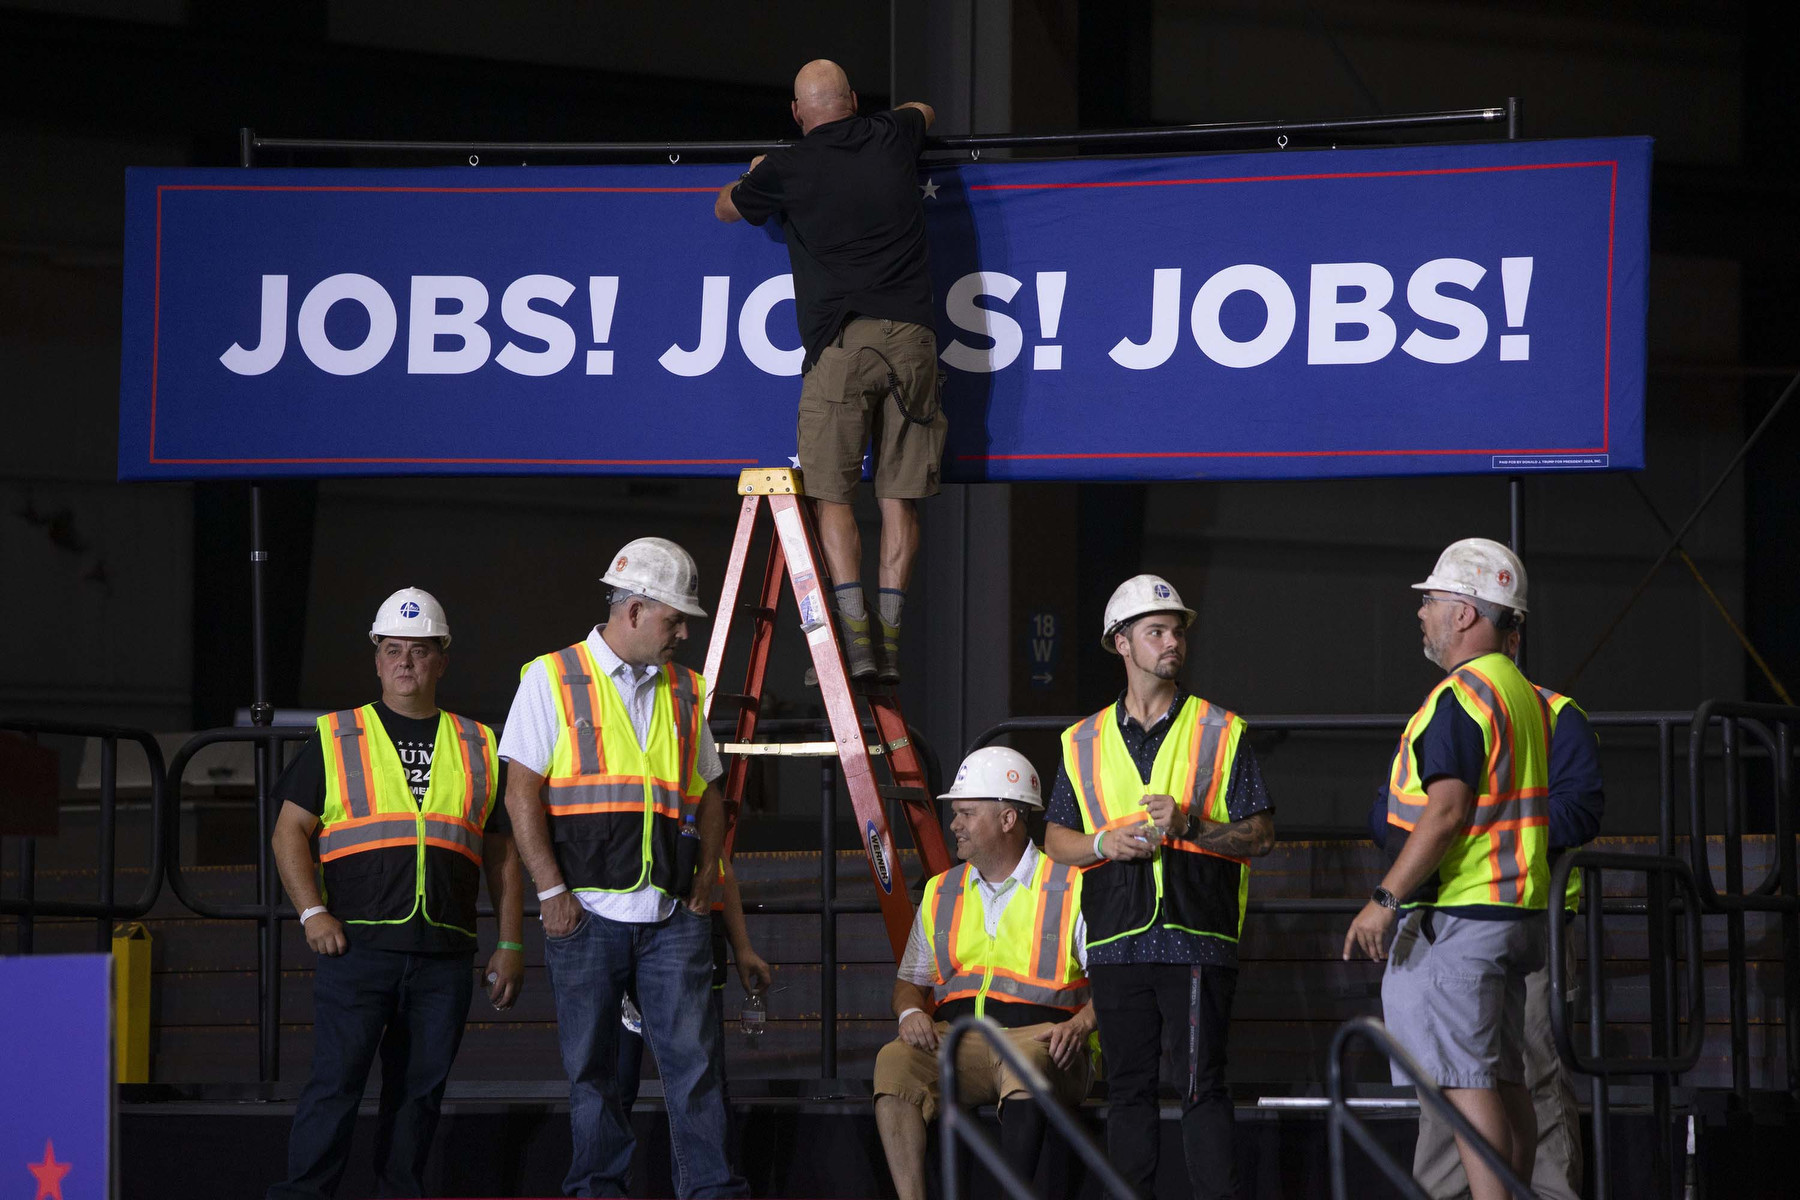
56	1093
1295	314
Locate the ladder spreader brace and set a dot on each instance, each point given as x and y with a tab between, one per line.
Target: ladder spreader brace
794	557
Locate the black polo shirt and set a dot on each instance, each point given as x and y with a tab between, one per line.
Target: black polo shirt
848	199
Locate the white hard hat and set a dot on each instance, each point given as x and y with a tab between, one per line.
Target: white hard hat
657	568
411	613
1482	568
1137	597
996	773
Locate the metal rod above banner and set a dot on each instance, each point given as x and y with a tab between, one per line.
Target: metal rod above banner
1163	137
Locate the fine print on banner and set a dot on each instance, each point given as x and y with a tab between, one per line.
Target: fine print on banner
1305	314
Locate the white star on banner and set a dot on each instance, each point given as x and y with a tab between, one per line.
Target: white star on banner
794	461
930	188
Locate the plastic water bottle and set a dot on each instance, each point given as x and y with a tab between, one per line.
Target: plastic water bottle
630	1017
754	1017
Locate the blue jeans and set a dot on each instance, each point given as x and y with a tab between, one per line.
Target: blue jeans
408	1007
670	964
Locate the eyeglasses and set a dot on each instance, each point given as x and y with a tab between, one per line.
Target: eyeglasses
1428	598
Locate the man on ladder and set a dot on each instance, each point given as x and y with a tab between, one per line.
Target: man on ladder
849	202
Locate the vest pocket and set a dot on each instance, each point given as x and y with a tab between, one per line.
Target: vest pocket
1201	893
373	885
1117	898
599	851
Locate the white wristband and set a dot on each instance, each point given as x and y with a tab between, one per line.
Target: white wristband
909	1012
558	890
310	913
1098	838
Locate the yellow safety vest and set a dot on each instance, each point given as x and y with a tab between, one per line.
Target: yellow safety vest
617	810
385	857
1502	857
1029	964
1184	887
1557	702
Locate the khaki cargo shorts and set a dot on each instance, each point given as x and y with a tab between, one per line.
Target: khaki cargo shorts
910	1073
845	404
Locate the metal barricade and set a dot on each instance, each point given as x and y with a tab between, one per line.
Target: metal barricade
1779	892
270	908
1661	1065
1342	1119
957	1124
106	908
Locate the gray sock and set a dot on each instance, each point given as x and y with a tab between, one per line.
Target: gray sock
849	600
890	600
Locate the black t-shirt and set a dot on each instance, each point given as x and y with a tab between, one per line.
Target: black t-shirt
848	199
303	784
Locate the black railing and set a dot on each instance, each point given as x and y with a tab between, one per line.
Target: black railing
106	908
270	908
1343	1120
958	1125
1779	891
1661	1065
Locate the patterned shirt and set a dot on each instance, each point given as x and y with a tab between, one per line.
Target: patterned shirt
1244	797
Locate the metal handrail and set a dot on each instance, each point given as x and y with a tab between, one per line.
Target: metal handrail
107	908
1662	1068
1778	893
1162	137
958	1124
1342	1119
269	736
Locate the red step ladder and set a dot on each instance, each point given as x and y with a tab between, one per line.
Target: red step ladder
794	558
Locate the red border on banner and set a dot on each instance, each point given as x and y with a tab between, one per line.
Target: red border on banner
1606	383
1612	215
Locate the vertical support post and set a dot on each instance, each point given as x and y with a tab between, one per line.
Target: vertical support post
1515	484
1734	917
1790	887
1665	997
828	1005
1592	891
262	715
109	778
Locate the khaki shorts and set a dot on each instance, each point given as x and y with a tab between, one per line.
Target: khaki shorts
912	1074
845	403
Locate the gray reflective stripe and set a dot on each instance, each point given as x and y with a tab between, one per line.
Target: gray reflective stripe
1073	996
349	734
1087	756
1501	778
470	733
568	795
340	839
1055	889
584	732
1506	872
1204	757
681	691
446	830
943	918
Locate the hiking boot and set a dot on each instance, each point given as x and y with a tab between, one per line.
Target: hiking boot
888	668
859	651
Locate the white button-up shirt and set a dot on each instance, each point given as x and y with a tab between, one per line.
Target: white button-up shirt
529	739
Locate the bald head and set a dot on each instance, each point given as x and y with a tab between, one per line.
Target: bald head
822	94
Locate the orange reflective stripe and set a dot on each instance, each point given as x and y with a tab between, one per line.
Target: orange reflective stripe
1188	847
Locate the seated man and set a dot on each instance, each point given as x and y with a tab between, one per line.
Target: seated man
977	946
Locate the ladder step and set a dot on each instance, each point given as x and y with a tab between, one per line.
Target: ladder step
758	610
737	698
781	749
917	794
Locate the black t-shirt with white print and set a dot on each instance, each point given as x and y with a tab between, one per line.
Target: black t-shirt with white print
303	784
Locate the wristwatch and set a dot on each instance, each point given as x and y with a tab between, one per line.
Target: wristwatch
1386	899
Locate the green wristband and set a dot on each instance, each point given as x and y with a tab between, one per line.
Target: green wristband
511	946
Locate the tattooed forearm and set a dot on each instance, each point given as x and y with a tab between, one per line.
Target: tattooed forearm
1250	838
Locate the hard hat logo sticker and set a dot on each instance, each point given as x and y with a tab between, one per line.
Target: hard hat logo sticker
409	610
1163	591
620	565
1012	777
1504	576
